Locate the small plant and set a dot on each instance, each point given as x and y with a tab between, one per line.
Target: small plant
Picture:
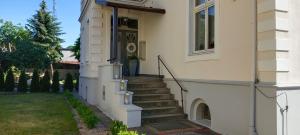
55	82
85	113
128	133
10	81
35	82
2	86
117	126
69	85
45	82
22	86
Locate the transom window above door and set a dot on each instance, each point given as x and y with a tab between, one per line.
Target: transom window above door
203	26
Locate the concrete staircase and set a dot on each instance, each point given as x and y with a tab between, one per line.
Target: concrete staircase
155	98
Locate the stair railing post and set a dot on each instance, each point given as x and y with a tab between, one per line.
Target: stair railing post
182	99
158	60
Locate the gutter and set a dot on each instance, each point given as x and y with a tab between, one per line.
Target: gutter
253	130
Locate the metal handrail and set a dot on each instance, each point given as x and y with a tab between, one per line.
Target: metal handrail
159	75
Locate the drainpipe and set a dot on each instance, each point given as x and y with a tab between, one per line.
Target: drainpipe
255	75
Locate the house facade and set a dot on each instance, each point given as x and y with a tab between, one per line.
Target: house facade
236	59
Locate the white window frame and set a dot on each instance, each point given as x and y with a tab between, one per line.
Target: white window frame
207	54
197	9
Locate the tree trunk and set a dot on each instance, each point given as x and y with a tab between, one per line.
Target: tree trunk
9	47
52	70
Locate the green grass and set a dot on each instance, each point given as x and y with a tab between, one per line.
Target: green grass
36	114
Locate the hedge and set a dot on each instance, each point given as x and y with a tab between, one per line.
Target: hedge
85	113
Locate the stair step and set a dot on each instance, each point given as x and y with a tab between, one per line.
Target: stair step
146	85
151	97
156	103
159	108
163	116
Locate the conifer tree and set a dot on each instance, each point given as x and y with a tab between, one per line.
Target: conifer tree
10	81
2	86
69	83
22	86
55	82
45	82
45	29
35	82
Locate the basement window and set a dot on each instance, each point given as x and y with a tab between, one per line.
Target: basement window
203	115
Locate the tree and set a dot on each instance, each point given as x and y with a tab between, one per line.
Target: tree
45	82
22	86
10	81
35	82
45	29
10	34
2	86
69	83
55	82
76	49
29	55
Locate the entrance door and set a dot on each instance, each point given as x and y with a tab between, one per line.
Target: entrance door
128	43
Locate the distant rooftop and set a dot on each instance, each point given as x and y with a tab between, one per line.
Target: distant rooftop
68	57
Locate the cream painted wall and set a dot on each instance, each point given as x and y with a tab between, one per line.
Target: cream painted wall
294	41
167	35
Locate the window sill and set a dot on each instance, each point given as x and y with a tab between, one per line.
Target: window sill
205	55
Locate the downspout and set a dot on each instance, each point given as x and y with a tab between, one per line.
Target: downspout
255	74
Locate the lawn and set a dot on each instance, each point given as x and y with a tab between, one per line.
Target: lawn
36	114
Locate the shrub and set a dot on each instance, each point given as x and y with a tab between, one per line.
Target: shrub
69	85
35	82
2	86
77	83
55	82
45	82
85	113
10	81
22	86
116	127
128	133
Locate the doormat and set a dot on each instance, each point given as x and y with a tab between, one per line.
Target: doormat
183	127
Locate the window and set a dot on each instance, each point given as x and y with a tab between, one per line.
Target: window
204	26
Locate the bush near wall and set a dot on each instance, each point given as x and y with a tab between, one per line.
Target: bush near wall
118	128
85	113
10	81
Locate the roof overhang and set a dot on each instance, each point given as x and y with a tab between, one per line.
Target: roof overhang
130	6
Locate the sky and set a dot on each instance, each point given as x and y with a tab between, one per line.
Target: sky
67	12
